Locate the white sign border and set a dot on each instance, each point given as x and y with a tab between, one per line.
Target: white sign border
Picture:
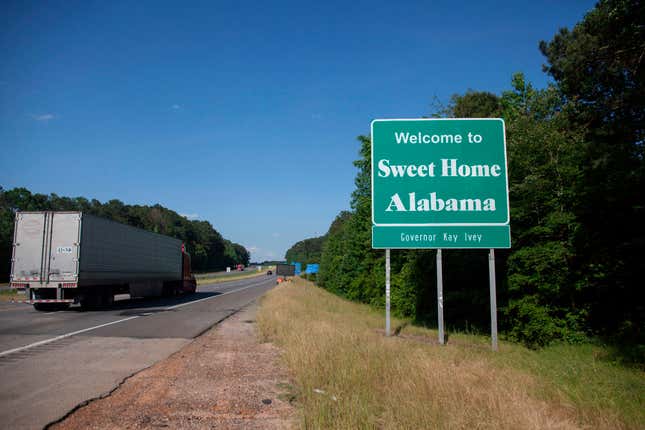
508	205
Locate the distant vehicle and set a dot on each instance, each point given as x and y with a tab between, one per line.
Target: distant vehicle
61	258
269	272
285	269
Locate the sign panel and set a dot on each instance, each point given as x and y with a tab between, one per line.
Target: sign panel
298	267
439	183
312	268
485	237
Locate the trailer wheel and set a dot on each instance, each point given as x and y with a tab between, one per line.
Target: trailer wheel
108	298
170	289
90	302
98	299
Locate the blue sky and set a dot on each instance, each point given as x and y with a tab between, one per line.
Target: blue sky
244	114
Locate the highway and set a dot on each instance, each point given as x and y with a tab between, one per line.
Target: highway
50	362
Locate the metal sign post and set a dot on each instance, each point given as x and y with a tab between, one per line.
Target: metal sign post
387	292
493	299
440	297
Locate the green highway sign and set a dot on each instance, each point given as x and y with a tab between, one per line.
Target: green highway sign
438	179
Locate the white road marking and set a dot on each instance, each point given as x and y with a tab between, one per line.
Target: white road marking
62	336
215	296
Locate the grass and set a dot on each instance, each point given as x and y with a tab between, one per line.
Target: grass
225	277
602	393
8	295
233	272
348	375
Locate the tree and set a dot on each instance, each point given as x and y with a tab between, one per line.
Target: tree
331	273
242	255
306	251
209	250
599	68
544	281
475	104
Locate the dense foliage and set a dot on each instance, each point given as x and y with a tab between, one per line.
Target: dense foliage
208	249
575	152
306	251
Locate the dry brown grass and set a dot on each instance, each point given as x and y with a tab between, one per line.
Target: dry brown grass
234	277
10	295
369	381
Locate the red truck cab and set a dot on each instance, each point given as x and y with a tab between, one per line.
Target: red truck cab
188	282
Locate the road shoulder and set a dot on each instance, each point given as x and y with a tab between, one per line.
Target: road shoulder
225	378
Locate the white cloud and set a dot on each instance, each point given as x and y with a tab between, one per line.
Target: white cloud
190	216
175	107
44	117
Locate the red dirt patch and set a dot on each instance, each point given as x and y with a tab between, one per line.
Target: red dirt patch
224	379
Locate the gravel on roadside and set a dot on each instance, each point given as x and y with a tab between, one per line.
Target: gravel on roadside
225	379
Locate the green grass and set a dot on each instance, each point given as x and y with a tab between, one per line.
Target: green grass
585	377
408	381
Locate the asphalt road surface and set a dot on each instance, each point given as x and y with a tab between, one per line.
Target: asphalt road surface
50	362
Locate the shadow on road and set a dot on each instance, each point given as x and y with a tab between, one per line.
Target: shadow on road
129	305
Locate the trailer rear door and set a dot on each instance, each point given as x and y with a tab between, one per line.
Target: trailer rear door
65	239
28	243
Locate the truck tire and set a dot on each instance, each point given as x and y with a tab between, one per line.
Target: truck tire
170	289
98	299
108	298
51	307
90	302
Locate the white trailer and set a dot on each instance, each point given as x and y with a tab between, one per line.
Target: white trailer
61	258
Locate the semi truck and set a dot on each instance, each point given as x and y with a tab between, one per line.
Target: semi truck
285	269
60	258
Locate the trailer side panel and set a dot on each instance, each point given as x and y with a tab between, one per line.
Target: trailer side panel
114	251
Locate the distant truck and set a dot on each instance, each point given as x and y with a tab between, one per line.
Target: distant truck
285	269
60	258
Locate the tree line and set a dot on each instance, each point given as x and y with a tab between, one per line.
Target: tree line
208	249
576	169
306	251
